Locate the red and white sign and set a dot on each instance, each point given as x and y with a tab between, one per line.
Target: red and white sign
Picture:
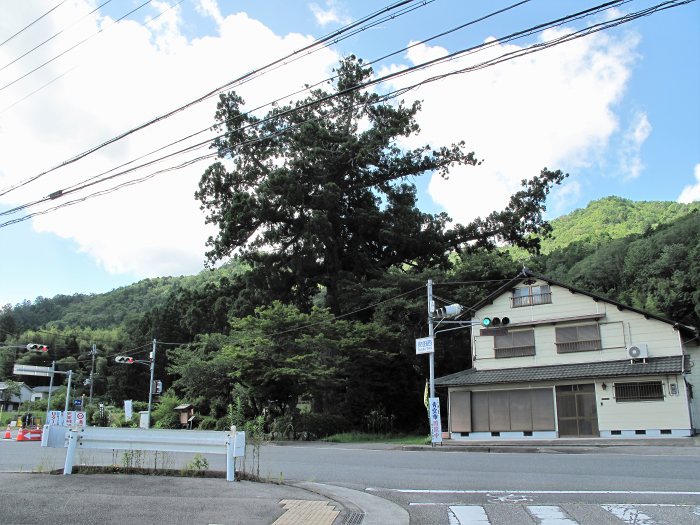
69	418
80	419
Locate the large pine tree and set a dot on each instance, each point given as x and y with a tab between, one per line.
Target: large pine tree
320	194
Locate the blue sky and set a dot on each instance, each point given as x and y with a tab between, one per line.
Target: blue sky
618	110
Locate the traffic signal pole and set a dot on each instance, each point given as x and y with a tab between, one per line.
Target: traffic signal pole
150	389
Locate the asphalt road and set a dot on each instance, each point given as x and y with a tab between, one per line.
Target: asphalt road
642	485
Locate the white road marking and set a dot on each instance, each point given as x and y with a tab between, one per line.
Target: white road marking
629	514
550	515
449	491
468	515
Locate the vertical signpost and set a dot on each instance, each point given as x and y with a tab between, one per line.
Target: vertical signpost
435	423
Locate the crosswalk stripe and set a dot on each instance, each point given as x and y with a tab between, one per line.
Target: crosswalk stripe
468	515
629	514
550	515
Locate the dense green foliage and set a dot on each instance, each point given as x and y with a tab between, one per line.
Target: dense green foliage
310	329
612	218
361	371
319	194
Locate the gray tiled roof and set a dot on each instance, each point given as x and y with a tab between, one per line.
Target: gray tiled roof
653	366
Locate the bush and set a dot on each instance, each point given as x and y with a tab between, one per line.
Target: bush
207	423
315	426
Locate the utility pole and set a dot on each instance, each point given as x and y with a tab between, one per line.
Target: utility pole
92	369
431	334
150	389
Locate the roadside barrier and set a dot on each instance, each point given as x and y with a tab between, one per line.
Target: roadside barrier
33	434
231	443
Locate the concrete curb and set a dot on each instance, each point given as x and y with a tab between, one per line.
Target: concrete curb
375	510
563	446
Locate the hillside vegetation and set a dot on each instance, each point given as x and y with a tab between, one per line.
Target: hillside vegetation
238	354
612	218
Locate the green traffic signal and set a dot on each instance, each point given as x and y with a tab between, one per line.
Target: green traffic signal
488	322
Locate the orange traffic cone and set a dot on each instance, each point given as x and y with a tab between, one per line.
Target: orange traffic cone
7	433
20	435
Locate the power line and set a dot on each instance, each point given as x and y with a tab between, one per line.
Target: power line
390	76
75	45
32	23
504	57
146	23
251	74
52	37
84	183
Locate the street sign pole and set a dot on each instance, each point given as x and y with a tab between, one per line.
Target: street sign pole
431	334
48	402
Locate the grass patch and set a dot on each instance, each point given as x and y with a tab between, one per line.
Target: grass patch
363	437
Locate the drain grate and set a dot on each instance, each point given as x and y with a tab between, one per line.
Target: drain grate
353	518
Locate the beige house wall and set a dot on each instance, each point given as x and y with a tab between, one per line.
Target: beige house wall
619	328
669	413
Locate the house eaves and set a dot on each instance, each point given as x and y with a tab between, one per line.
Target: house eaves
597	370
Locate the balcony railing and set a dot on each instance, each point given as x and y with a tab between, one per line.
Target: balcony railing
529	300
514	351
578	346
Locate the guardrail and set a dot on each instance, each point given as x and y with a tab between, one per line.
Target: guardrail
231	443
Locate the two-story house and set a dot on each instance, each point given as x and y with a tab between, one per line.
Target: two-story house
561	362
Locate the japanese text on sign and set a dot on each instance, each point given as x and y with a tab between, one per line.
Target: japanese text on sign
435	424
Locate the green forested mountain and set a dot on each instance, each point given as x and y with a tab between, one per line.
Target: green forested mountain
225	343
612	218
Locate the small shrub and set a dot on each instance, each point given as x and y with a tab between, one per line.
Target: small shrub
207	423
315	426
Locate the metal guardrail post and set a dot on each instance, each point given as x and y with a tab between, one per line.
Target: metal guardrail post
73	436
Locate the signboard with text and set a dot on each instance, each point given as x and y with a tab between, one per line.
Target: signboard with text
435	423
425	345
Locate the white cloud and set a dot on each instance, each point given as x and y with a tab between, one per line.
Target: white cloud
125	76
630	151
691	193
551	109
210	8
332	14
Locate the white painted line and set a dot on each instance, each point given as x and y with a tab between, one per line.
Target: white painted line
450	491
550	515
629	514
468	515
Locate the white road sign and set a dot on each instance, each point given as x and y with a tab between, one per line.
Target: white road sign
29	370
425	345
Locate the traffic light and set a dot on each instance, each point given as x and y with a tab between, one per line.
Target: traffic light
157	386
494	322
124	359
448	311
33	347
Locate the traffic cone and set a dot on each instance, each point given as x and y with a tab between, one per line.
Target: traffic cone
20	435
7	433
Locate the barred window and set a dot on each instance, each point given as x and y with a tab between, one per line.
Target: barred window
582	338
531	295
516	343
639	391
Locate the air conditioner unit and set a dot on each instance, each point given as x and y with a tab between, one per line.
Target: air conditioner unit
639	351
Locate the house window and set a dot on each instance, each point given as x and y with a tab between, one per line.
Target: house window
639	391
531	295
582	338
517	343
